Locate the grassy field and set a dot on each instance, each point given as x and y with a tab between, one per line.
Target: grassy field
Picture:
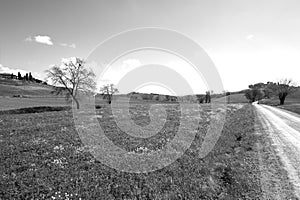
16	94
42	157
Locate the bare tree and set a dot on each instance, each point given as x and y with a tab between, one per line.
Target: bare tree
72	77
283	88
108	91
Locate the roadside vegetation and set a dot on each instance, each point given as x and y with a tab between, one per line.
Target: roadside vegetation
292	102
281	89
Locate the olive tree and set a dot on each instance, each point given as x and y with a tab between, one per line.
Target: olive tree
282	89
72	77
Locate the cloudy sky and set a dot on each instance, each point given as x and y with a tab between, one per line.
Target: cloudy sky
248	40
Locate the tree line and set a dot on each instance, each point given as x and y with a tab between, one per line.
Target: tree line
72	77
260	91
26	77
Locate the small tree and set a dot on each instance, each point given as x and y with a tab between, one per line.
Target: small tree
26	77
30	77
282	89
73	77
208	97
19	76
255	92
249	95
108	91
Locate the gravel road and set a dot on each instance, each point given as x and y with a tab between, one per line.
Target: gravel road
283	128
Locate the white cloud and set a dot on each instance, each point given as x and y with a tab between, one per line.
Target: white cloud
5	69
68	45
43	39
249	37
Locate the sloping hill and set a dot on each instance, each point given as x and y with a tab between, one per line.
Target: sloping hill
28	94
10	88
233	98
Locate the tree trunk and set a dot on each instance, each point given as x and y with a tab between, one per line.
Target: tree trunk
282	98
77	103
109	99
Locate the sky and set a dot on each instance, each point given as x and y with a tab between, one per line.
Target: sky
249	41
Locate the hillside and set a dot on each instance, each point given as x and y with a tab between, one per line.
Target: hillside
15	94
233	98
10	88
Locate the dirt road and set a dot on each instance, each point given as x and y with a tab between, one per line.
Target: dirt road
283	129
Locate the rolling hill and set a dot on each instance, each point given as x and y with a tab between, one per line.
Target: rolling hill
10	88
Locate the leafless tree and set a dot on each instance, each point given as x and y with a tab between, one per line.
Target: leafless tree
108	91
72	77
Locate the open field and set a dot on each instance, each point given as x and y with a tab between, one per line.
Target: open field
44	158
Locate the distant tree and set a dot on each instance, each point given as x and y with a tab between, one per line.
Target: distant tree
227	96
30	77
282	89
74	78
12	76
208	96
249	95
19	76
254	93
259	94
168	98
26	77
108	91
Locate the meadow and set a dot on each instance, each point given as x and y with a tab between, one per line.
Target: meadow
42	157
